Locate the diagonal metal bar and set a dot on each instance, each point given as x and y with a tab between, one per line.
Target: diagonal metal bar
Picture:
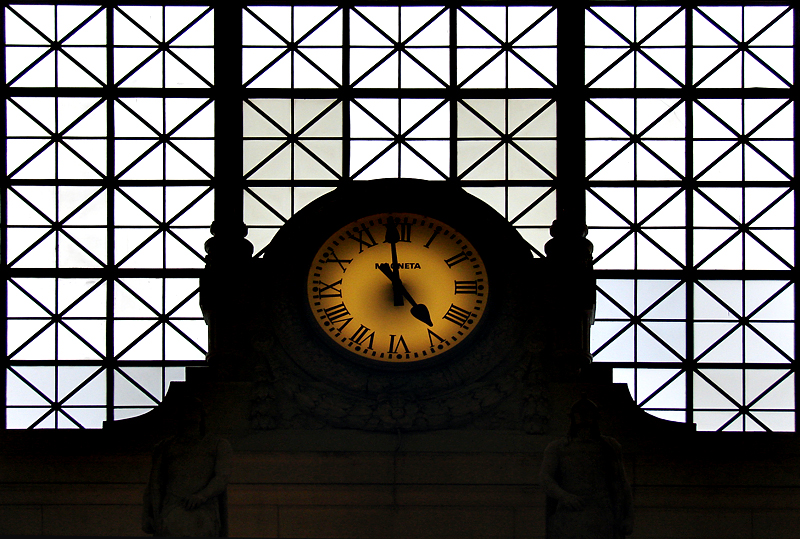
377	28
613	120
131	291
719	66
187	65
188	26
498	130
613	156
775	384
31	116
532	117
141	28
264	115
480	160
32	338
314	28
322	162
82	247
123	260
475	73
31	297
500	41
424	67
32	386
261	163
171	144
642	144
136	384
137	340
524	152
264	203
628	233
371	70
532	205
661	387
31	247
736	234
613	338
322	71
530	27
133	71
334	103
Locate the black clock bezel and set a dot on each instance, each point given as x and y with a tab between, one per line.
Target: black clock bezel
491	346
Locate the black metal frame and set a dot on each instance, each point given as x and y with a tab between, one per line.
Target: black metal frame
570	95
689	271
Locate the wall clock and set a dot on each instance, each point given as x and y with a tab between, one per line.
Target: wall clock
398	288
399	303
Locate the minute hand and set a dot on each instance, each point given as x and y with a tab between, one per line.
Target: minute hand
418	310
392	237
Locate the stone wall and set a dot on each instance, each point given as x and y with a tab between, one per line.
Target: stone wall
438	485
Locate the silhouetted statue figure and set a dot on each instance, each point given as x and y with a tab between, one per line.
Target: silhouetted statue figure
187	491
588	495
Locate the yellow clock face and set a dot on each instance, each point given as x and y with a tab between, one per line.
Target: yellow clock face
397	287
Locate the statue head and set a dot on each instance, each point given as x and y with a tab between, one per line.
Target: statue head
185	415
584	418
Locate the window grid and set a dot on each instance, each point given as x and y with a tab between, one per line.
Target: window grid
695	251
510	62
109	126
401	98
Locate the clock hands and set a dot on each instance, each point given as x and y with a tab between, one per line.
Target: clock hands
392	237
418	310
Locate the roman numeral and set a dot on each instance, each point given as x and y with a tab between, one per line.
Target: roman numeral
326	290
364	238
338	314
433	236
466	287
457	315
394	346
363	334
396	231
457	259
333	258
404	229
431	335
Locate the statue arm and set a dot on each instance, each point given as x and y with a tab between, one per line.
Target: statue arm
223	467
152	494
547	477
624	489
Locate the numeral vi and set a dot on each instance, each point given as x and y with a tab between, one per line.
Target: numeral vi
395	344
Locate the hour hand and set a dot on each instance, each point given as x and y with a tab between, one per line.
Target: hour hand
418	310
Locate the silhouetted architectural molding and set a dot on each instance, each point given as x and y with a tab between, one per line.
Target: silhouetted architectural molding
588	495
186	495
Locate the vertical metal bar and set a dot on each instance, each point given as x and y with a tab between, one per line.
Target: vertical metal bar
57	152
345	93
453	93
110	185
3	230
227	181
796	50
689	184
570	102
